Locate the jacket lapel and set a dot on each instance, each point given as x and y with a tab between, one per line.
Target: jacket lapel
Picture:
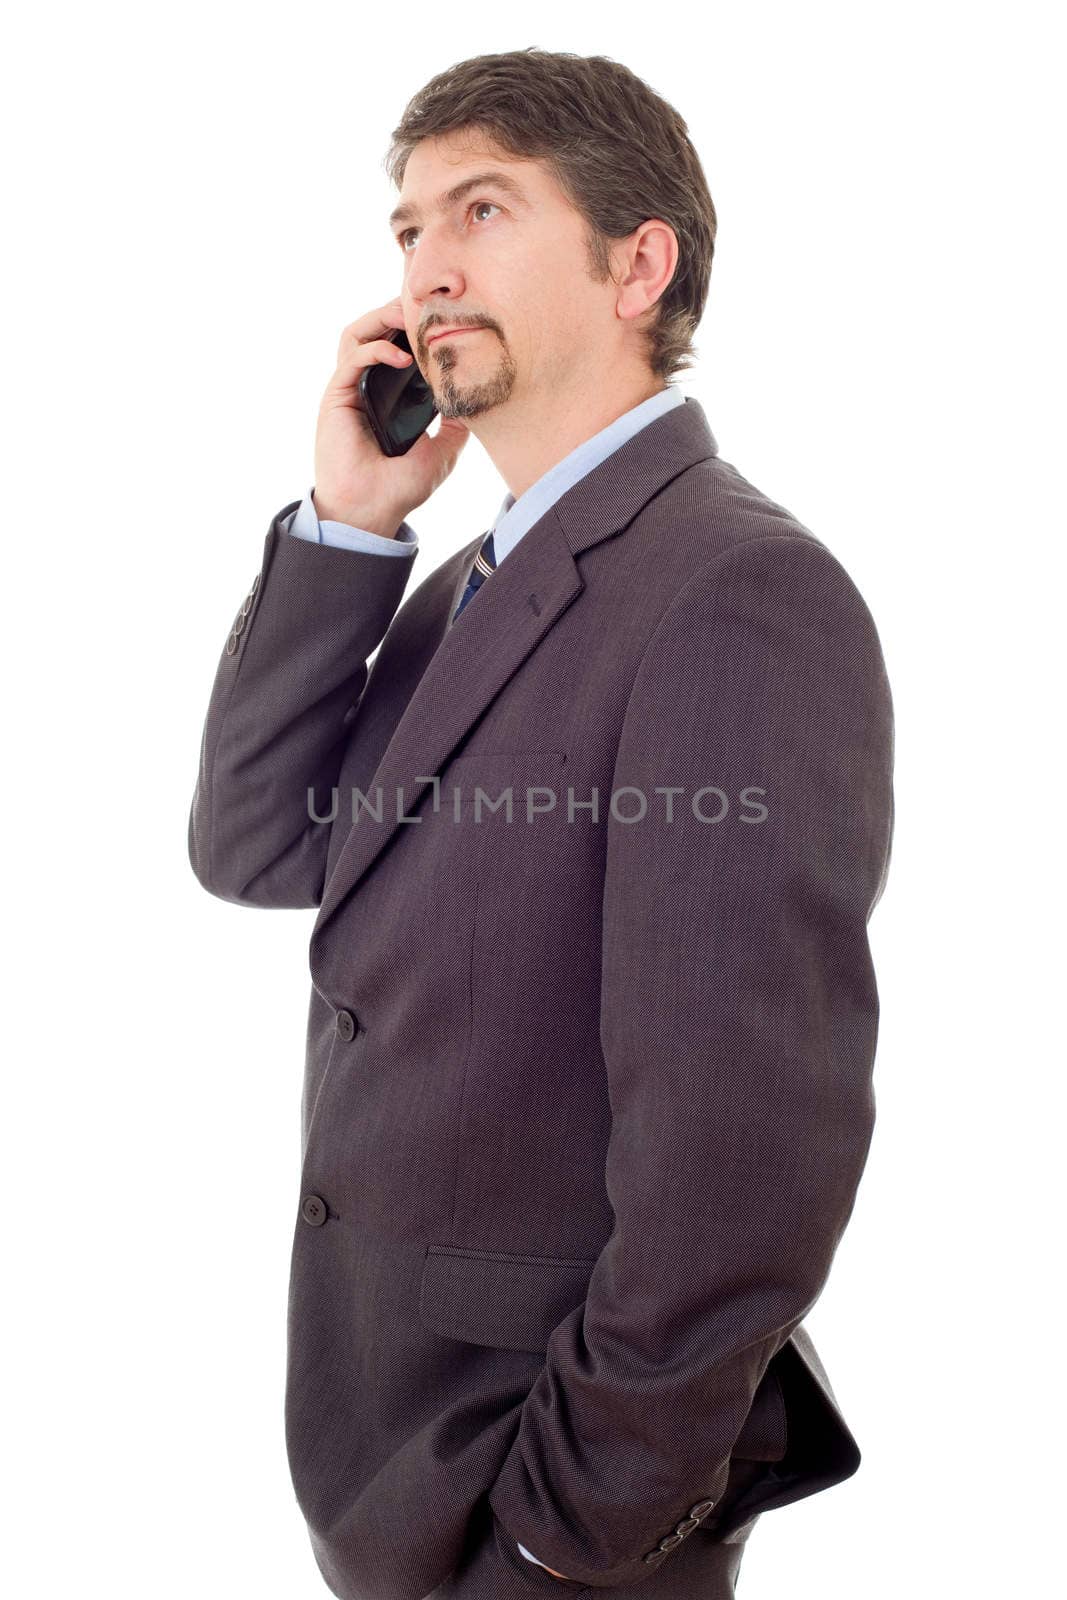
472	660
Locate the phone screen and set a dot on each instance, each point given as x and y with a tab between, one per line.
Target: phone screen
397	401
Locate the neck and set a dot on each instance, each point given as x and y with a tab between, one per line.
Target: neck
529	434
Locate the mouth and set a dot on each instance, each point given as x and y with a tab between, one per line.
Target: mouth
453	333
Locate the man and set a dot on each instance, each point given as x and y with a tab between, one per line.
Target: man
588	1087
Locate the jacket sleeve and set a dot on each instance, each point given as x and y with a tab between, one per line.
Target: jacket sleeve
287	684
738	1024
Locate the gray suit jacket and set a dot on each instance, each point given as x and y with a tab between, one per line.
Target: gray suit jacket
586	1098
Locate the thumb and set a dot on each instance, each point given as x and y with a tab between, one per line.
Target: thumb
446	444
454	433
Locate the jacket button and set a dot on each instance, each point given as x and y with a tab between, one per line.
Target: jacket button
654	1557
231	644
670	1541
346	1025
313	1210
701	1508
687	1525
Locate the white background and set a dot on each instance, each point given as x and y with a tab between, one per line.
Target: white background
195	208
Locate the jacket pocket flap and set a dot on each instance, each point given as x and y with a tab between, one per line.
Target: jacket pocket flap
511	1302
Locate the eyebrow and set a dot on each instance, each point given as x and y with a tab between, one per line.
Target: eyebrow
499	180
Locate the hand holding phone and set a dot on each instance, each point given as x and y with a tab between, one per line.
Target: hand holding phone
356	481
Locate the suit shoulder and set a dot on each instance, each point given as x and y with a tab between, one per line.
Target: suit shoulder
720	546
717	509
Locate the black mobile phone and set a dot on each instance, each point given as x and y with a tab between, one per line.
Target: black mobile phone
397	401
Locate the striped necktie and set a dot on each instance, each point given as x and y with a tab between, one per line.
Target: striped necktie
484	564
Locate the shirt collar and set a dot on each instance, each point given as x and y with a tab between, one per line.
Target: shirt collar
516	516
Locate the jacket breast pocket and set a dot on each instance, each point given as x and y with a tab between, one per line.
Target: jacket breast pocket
511	1302
516	790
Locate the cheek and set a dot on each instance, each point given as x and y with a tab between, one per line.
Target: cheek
545	332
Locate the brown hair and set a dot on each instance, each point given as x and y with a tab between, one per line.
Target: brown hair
620	153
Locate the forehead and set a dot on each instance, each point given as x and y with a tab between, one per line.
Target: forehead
441	170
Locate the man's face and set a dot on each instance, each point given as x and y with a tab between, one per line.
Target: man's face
510	259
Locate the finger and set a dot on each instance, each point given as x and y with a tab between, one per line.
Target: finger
383	319
358	356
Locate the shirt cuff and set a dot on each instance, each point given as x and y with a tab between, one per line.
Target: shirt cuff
304	524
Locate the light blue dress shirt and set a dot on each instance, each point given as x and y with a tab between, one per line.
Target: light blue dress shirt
514	516
512	520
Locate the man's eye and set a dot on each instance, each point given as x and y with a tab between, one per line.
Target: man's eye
476	206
